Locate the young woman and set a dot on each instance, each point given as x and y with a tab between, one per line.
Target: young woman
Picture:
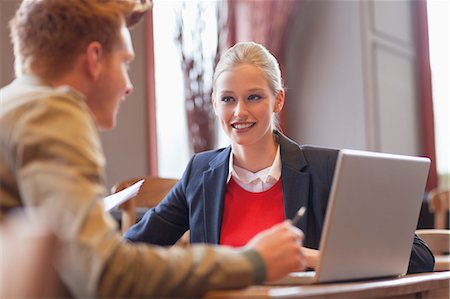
226	196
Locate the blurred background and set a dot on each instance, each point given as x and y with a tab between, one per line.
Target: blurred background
370	75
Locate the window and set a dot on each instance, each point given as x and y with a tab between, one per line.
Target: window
173	148
438	28
173	152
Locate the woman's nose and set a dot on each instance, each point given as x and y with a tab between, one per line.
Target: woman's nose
241	109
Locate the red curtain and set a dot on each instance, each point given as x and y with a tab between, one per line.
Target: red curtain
425	92
151	98
266	22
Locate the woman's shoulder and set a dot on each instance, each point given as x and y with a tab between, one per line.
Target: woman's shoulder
318	151
308	151
211	157
204	161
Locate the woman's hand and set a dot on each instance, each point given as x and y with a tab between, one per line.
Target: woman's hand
311	256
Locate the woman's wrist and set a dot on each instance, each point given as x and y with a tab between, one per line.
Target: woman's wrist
311	256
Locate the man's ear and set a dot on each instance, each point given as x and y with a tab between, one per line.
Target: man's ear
94	59
279	101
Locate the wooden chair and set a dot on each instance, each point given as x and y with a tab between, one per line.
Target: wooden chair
152	191
438	239
150	194
439	205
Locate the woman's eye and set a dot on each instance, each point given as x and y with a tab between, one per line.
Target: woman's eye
254	97
227	99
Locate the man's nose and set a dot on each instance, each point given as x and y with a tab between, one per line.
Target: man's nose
129	89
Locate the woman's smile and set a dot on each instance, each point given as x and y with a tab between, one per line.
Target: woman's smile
241	127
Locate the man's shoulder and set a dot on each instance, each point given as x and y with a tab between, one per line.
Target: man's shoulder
24	94
32	113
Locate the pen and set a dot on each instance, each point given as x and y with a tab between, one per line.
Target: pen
298	215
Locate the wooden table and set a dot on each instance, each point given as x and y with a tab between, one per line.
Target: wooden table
426	285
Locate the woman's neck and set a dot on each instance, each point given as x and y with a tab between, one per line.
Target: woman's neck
255	157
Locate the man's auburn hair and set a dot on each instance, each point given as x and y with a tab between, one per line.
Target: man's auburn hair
47	35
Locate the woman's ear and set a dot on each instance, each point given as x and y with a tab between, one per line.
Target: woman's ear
279	101
213	102
94	59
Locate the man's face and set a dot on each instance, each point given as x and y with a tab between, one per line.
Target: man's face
114	83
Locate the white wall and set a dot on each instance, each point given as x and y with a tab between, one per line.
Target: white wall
325	91
352	76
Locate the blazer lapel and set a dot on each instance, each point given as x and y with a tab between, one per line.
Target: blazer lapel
295	183
295	192
214	184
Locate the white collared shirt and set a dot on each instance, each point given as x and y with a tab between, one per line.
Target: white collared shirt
259	181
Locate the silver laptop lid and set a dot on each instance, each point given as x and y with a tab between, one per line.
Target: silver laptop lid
372	215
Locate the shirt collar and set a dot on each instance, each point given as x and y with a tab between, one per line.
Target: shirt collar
266	175
34	80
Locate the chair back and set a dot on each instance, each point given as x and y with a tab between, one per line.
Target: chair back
439	205
152	191
438	239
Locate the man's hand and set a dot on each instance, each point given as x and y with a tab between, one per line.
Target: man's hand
281	249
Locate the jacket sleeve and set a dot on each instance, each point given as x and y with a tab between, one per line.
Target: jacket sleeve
170	216
139	270
422	259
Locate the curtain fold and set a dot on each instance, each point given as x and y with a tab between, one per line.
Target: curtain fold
425	92
152	144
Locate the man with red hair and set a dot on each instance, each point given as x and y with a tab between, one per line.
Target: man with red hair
72	59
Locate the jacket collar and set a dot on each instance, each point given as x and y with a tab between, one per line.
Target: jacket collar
221	158
295	181
291	154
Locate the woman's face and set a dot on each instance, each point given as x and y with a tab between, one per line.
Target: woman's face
245	105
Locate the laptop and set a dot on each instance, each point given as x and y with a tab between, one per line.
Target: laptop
372	214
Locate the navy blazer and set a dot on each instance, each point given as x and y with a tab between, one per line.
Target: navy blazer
196	201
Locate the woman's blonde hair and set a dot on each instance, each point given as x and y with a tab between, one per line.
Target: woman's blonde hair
48	34
254	54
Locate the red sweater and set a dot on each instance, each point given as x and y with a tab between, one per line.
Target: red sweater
247	213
